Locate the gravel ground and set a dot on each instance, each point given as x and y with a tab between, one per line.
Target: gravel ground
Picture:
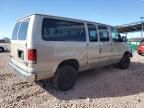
101	88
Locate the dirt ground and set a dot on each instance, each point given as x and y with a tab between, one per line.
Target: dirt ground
107	87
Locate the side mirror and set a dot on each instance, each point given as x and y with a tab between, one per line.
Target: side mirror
124	39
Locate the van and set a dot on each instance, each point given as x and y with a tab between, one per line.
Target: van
44	47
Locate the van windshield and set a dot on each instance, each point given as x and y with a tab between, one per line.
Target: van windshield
116	37
20	30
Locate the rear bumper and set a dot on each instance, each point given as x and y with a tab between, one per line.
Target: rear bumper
30	77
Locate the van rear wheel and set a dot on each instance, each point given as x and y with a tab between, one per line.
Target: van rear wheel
125	62
65	77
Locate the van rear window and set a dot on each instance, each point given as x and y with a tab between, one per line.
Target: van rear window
20	30
15	31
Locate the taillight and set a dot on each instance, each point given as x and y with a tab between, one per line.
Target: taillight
32	55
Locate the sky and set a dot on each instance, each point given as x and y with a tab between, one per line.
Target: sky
112	12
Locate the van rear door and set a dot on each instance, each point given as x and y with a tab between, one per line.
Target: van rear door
19	43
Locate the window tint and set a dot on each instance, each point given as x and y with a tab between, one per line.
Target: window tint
103	33
15	31
92	33
23	30
61	30
115	35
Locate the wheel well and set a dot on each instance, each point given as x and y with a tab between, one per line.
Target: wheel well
71	62
128	53
2	48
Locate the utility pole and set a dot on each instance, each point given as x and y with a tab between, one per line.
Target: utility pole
142	27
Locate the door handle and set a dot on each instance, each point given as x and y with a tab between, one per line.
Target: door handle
87	44
100	50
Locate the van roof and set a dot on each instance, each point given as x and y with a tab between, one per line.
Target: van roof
62	18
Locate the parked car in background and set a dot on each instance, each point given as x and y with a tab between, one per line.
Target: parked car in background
140	48
4	47
4	44
44	46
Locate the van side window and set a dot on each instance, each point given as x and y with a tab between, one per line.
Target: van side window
15	31
116	37
22	35
103	33
62	30
92	33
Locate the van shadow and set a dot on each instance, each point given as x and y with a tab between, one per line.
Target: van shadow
103	82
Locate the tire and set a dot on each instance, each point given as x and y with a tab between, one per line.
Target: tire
140	53
125	62
65	77
1	49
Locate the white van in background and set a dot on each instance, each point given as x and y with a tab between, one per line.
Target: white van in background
4	47
44	46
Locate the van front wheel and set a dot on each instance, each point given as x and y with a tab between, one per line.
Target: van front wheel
65	77
125	62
